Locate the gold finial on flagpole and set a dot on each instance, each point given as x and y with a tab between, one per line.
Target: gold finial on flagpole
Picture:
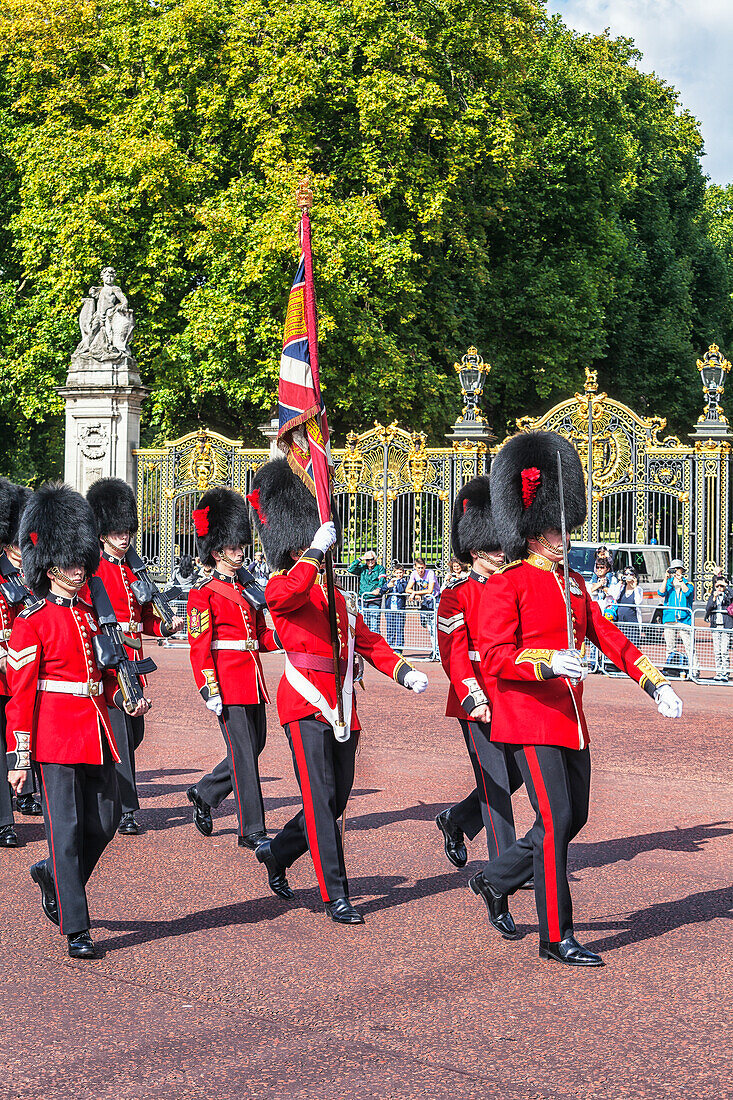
304	194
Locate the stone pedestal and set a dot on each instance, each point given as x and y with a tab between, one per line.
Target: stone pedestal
103	404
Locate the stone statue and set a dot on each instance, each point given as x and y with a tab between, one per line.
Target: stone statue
106	321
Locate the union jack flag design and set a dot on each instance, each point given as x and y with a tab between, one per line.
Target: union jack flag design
303	432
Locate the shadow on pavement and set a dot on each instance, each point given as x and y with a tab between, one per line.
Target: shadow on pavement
666	916
602	853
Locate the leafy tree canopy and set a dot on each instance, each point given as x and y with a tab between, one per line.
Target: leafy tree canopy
482	175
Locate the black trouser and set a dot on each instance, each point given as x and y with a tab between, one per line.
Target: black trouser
497	777
244	729
558	785
129	733
81	808
6	794
324	768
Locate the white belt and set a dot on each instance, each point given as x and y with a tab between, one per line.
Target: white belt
250	643
474	655
70	687
131	628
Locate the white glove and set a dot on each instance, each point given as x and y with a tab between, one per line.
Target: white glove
214	704
668	702
416	681
325	537
569	663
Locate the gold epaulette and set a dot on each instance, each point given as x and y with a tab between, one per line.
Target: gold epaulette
510	565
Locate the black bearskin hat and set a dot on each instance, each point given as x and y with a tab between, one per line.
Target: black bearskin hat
220	520
114	506
472	527
7	501
57	528
525	496
13	500
284	512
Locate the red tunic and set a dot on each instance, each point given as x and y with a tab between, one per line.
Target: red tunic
134	619
54	642
218	613
299	609
458	621
521	625
8	612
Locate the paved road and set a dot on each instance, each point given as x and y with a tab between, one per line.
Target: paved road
210	987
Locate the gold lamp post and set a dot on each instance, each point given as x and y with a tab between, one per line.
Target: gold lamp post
472	372
714	369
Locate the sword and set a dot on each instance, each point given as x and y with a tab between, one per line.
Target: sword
565	562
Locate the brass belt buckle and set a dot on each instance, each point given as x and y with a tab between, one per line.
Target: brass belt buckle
93	687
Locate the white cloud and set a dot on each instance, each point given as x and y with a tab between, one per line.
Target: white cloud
689	44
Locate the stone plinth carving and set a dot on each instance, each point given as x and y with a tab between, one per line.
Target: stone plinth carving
103	392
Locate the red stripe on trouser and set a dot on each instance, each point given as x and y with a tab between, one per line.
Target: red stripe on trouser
486	793
234	773
53	850
548	845
308	809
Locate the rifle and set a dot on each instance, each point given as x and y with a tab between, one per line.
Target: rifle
146	591
109	648
253	593
16	592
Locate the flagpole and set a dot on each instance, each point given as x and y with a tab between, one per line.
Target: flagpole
305	201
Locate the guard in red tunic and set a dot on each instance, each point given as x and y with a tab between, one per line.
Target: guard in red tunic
113	503
287	522
227	631
13	597
57	716
537	692
497	775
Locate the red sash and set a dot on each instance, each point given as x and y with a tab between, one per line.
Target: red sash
229	592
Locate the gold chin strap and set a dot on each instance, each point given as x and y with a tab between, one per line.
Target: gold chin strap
493	559
554	549
116	551
229	561
60	575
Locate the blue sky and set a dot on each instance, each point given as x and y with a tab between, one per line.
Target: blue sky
689	43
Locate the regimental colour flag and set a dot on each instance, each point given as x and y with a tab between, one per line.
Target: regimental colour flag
303	431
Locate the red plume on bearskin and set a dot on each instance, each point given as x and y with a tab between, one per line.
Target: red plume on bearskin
33	536
201	521
253	499
530	484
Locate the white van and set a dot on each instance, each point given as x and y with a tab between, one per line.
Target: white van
650	562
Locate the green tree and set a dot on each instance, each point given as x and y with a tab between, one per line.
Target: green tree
482	175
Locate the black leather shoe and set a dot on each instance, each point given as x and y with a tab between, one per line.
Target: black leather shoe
570	952
201	812
49	903
455	848
342	911
128	826
8	838
497	905
275	871
528	885
81	946
252	840
28	806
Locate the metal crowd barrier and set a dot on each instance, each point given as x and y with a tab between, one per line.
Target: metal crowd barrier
412	632
179	640
713	650
669	646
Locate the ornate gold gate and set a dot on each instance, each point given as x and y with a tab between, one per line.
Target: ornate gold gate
395	493
639	485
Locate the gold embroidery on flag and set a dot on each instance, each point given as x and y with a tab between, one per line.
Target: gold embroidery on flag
295	328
